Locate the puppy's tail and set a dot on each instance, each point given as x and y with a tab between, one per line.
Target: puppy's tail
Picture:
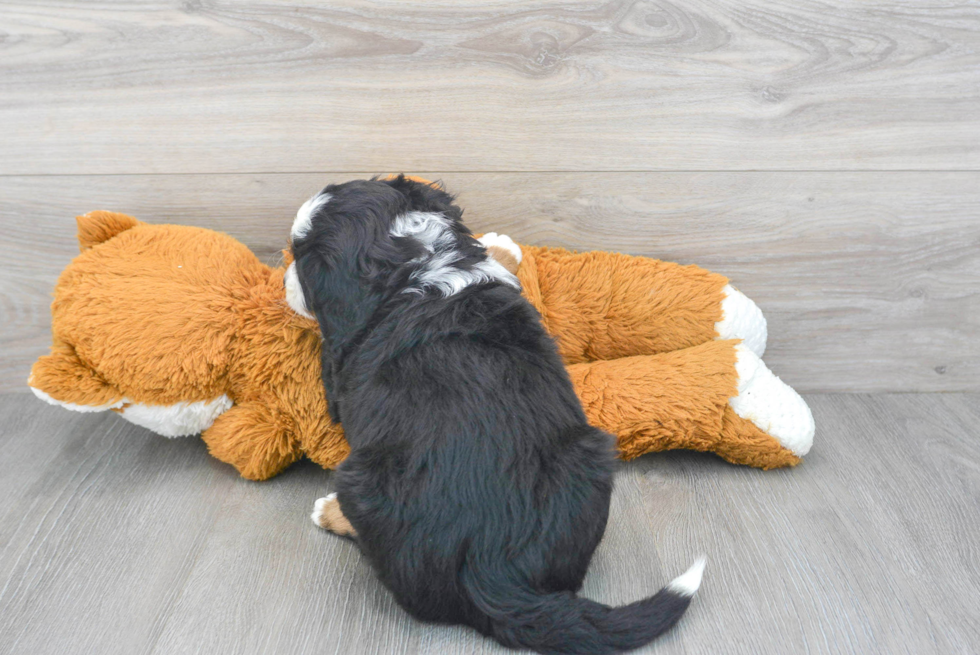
564	623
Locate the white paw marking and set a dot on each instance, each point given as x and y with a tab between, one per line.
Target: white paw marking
742	319
771	404
294	292
687	583
319	507
502	241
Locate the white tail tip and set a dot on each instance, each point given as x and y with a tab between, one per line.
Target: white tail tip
688	583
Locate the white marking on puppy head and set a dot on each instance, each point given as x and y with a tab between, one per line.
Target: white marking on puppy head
428	228
294	292
304	217
438	269
440	274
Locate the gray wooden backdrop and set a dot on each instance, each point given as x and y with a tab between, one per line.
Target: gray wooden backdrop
823	155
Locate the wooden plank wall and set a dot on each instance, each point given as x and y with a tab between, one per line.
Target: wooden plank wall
824	155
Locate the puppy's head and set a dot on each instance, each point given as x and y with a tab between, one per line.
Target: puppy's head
358	243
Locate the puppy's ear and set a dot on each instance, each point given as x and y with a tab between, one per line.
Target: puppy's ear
334	292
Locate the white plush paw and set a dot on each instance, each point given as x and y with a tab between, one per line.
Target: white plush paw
320	508
771	404
742	319
183	419
501	241
72	406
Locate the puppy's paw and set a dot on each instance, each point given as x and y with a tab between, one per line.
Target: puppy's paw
320	509
771	404
327	515
503	249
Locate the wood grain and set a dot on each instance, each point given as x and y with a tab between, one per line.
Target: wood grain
115	540
299	86
823	154
869	281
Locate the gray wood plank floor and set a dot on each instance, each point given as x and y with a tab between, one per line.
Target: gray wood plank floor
114	540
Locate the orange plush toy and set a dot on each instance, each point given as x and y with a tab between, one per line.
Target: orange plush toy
183	330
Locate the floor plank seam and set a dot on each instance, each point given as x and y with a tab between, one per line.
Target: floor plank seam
726	171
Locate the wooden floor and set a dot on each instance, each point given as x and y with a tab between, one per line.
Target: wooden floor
119	541
823	154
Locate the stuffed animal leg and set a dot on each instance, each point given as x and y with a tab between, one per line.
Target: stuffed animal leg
683	400
254	439
63	379
604	305
664	356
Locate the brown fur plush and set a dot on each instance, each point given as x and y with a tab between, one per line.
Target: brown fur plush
165	315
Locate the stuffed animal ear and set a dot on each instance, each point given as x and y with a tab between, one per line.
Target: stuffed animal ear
287	257
100	226
413	178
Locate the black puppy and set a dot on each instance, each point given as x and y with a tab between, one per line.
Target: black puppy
474	484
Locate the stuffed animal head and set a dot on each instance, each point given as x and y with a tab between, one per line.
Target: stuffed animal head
147	321
171	325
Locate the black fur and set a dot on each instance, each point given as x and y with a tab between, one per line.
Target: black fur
477	489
